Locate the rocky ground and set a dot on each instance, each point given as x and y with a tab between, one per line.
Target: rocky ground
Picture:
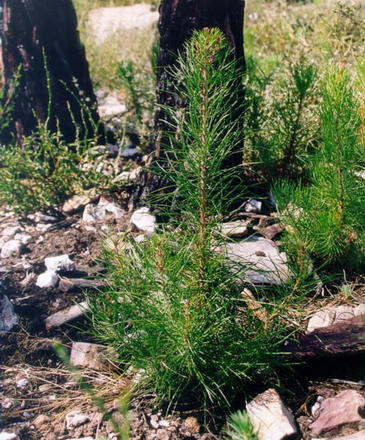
48	261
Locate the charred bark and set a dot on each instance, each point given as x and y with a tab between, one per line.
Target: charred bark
41	50
178	20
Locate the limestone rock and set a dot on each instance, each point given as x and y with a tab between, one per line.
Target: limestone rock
60	263
47	280
11	248
270	418
93	213
265	264
106	21
336	411
143	220
10	231
253	205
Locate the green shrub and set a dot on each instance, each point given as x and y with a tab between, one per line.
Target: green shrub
281	122
326	219
45	170
173	307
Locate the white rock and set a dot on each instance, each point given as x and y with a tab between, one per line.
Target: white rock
104	22
61	263
235	229
112	107
143	220
76	418
44	227
24	238
39	217
22	383
265	264
7	403
113	209
7	435
47	279
10	231
11	248
93	213
253	205
8	318
332	315
87	355
270	419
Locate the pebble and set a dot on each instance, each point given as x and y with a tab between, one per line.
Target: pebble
7	403
11	248
143	220
61	263
47	280
24	238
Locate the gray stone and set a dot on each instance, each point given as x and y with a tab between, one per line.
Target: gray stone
22	383
48	279
270	419
60	263
39	217
8	319
265	264
104	22
11	248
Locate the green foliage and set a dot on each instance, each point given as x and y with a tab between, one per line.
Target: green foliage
46	170
173	307
239	427
281	121
326	218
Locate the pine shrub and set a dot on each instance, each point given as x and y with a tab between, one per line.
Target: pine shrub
173	307
326	218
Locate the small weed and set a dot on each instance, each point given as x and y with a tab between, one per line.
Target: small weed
239	427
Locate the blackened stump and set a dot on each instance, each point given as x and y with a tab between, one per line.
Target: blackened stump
39	32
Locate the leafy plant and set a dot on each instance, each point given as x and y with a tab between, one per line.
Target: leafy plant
173	307
239	427
326	218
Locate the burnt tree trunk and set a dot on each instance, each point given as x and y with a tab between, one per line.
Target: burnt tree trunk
42	49
178	20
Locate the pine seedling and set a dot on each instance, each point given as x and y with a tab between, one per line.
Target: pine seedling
173	308
326	217
281	121
240	427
